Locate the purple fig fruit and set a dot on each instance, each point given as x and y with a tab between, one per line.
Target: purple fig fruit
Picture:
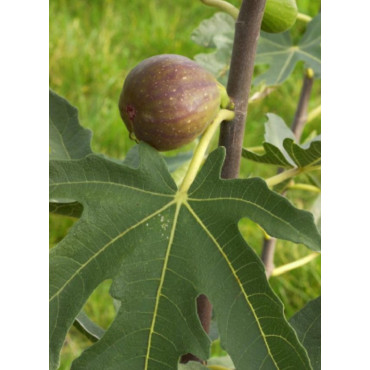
168	100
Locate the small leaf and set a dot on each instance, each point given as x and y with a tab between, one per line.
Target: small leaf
276	131
218	62
281	149
272	156
281	55
216	32
220	24
304	157
68	140
307	324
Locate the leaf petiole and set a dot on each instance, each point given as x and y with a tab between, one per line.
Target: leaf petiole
294	265
223	6
306	187
200	150
277	179
314	113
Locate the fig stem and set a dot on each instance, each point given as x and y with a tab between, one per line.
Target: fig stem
226	102
200	150
224	6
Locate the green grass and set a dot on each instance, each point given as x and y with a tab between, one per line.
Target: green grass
93	45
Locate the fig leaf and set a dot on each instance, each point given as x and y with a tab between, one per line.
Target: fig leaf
162	249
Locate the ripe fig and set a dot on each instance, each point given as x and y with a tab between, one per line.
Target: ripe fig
168	100
279	15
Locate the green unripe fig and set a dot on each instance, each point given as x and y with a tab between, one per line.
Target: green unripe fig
279	15
168	100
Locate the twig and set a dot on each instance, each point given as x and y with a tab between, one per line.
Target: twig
300	118
314	113
292	172
307	187
294	265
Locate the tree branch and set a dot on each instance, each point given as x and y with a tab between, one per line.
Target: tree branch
247	30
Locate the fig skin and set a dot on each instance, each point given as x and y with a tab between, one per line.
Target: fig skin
168	100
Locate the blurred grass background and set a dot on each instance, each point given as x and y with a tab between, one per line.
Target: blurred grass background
93	45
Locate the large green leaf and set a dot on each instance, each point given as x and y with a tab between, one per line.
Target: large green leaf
162	249
307	324
278	51
67	138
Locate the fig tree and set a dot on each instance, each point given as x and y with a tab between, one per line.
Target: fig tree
168	100
279	15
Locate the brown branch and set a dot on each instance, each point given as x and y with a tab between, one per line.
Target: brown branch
300	118
247	31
